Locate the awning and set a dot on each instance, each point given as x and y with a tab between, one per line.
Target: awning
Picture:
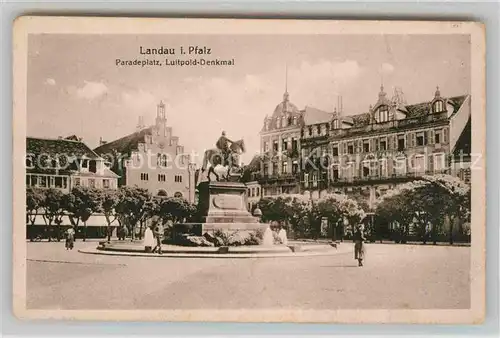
93	221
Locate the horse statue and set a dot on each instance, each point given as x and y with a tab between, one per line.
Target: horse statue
217	157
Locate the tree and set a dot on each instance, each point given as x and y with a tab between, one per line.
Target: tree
53	208
132	206
336	208
456	196
35	199
108	200
81	203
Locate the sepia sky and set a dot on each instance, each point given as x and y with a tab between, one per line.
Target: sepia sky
74	86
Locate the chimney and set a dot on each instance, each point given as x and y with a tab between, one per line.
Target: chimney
101	141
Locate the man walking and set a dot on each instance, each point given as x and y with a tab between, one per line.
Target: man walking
359	246
159	232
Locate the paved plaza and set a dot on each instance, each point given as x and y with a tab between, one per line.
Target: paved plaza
394	277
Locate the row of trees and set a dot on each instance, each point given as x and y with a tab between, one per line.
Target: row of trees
305	217
128	206
425	204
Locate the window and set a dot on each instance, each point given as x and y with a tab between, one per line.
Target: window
401	142
366	169
335	150
439	164
382	167
275	146
266	146
266	169
144	176
283	121
278	123
366	146
318	129
285	167
275	169
294	144
314	180
258	192
350	148
105	184
437	136
162	178
306	180
178	194
420	139
91	182
335	172
295	167
284	144
383	144
438	106
419	164
178	178
295	120
383	114
289	120
266	125
77	182
400	166
85	163
310	131
335	124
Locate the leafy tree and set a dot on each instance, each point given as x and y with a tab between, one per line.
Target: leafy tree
80	204
53	207
132	206
108	201
35	199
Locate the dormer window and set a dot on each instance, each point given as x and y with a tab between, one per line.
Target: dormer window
335	124
283	121
383	114
266	126
295	120
278	123
438	106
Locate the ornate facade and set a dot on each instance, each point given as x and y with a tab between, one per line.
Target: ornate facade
367	154
280	150
153	158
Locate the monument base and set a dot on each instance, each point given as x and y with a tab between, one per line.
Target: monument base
224	203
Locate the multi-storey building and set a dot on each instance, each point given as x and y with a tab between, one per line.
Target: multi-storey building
280	150
65	163
367	154
152	158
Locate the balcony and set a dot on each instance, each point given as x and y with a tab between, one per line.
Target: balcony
389	125
375	179
278	179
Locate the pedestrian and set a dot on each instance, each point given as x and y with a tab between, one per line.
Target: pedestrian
70	238
359	245
159	232
149	239
282	235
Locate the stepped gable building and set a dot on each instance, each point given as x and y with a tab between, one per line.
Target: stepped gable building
152	158
393	142
65	163
280	150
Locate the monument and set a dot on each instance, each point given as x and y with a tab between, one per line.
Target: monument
222	198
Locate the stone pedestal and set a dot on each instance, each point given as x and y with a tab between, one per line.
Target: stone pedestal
222	205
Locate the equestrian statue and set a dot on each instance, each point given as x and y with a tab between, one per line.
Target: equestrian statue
226	153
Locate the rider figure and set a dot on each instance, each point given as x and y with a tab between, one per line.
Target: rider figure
223	145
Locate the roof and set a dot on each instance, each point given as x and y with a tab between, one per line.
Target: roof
360	119
125	144
463	144
315	116
58	147
424	108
